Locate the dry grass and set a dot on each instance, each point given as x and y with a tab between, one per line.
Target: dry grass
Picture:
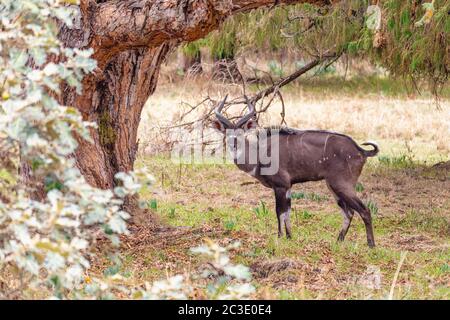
400	124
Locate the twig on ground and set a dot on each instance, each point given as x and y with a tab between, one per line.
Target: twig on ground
394	281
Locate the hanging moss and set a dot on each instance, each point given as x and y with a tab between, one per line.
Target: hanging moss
192	49
404	47
412	49
223	44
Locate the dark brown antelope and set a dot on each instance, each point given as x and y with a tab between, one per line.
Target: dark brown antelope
281	157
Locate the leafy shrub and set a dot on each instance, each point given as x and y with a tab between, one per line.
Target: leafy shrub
231	280
275	68
46	240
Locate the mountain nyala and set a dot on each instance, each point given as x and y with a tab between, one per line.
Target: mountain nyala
282	157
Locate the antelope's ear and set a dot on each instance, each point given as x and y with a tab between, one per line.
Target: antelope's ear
250	124
219	126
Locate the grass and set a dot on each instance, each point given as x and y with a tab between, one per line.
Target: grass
309	196
410	213
409	200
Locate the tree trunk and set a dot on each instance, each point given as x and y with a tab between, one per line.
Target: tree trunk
130	39
115	104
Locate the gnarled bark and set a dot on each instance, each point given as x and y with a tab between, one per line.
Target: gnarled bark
130	39
116	103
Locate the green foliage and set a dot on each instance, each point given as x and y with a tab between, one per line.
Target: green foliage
6	177
229	225
232	281
400	162
407	39
52	183
309	196
171	214
192	49
302	27
276	68
359	187
153	204
373	207
412	45
262	212
223	44
305	215
445	268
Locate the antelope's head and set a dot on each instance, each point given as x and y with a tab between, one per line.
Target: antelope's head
236	133
245	123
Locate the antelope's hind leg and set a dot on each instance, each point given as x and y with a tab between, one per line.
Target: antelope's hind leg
356	204
347	215
347	212
346	197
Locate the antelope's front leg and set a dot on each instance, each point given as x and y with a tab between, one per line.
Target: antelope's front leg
287	219
283	209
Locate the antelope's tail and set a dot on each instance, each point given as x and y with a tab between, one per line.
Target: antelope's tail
370	153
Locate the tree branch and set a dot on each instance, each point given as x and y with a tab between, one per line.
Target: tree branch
284	81
117	26
274	88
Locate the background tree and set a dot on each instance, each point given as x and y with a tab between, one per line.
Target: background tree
190	59
223	46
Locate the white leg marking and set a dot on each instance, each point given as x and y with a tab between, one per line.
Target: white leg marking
288	194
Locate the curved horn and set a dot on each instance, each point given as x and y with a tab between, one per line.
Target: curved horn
250	114
220	116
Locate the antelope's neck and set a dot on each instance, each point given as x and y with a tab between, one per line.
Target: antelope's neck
251	169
